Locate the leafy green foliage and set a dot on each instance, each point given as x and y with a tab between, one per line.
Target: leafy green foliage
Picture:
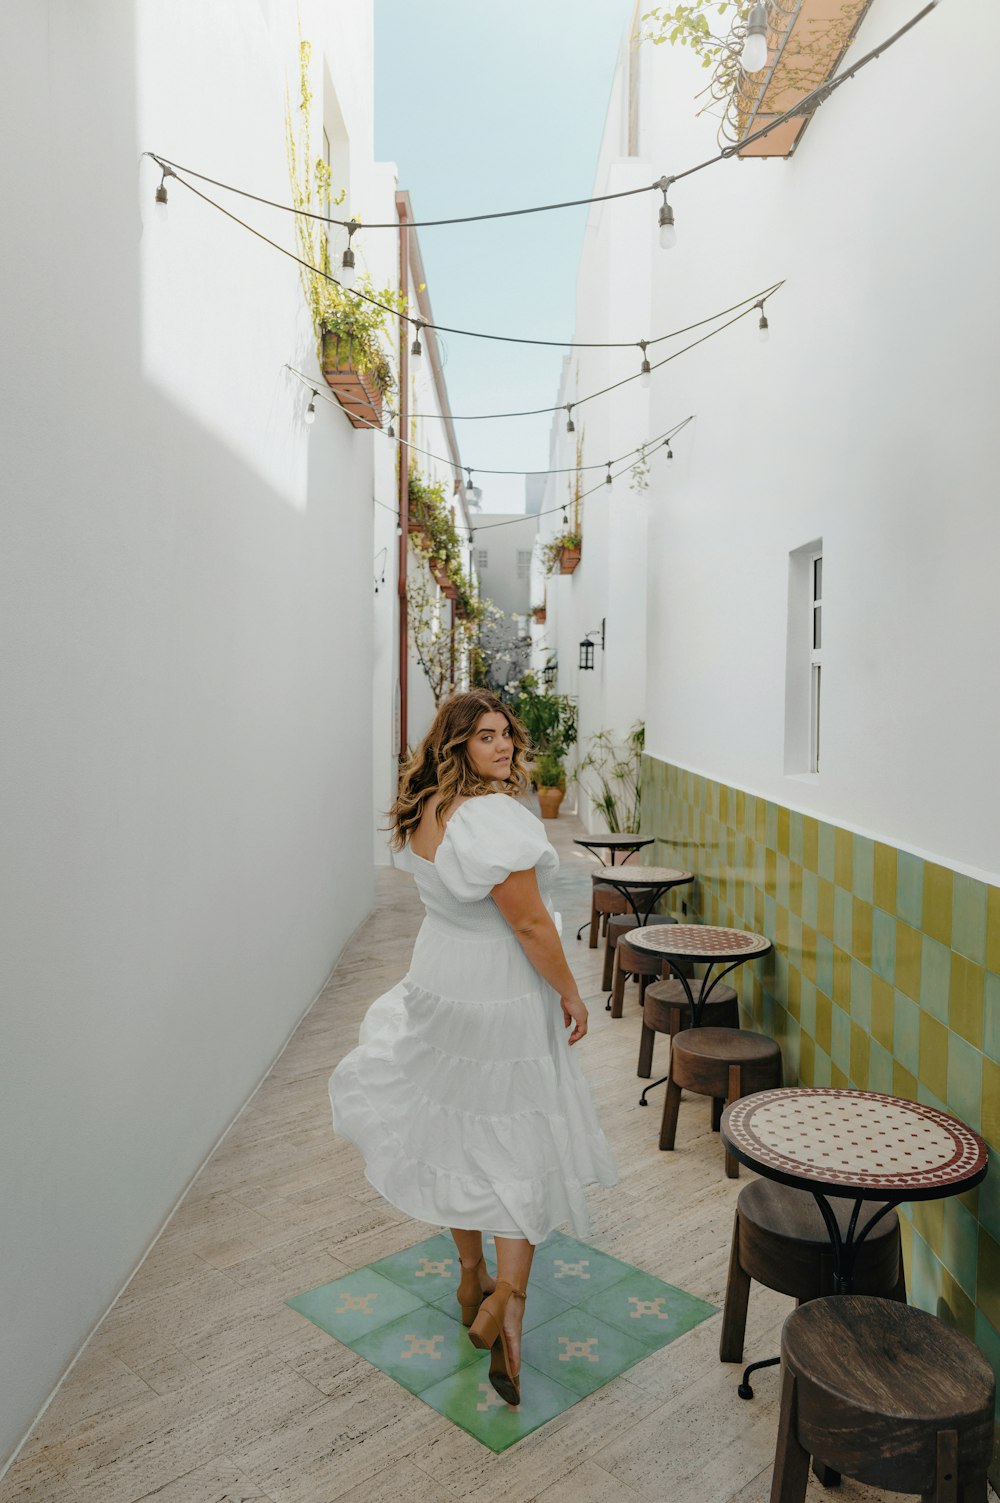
609	774
549	719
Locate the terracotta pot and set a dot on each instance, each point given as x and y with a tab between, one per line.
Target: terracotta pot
549	800
539	616
568	559
355	390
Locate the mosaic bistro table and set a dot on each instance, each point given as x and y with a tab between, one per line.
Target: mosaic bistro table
703	943
628	844
649	881
613	843
862	1145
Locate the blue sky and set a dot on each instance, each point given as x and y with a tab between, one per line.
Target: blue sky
487	107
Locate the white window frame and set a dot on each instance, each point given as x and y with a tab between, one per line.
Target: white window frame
815	657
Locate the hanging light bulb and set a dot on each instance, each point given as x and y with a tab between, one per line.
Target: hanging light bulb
607	478
670	452
347	267
569	418
470	489
565	518
754	54
392	431
161	193
311	409
668	234
416	349
399	529
645	369
763	327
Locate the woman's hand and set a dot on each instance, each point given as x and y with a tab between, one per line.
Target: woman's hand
574	1011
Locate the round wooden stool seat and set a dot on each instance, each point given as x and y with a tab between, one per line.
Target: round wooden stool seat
666	1009
724	1063
619	924
604	900
886	1394
780	1239
632	962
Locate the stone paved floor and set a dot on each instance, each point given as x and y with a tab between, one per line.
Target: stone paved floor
202	1385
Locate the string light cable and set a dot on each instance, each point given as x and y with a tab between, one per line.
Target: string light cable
668	236
602	486
805	105
423	323
403	443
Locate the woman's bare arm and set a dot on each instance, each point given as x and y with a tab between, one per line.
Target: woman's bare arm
520	902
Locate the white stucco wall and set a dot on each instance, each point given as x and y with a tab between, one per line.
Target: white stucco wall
865	421
187	637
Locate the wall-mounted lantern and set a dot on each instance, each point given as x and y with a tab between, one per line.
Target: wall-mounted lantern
587	646
549	674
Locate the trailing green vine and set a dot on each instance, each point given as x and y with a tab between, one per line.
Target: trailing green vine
333	310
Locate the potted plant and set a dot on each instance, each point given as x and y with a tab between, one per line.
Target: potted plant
563	552
610	773
538	612
550	779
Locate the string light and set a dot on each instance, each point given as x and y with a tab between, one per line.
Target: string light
311	409
763	326
161	193
670	452
392	431
440	459
646	368
570	425
607	478
668	233
416	350
470	489
754	54
347	267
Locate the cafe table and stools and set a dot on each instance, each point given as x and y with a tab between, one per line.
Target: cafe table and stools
860	1146
616	845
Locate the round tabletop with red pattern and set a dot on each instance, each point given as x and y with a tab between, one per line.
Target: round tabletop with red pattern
699	942
865	1144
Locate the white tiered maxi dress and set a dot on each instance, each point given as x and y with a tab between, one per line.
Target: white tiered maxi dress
463	1094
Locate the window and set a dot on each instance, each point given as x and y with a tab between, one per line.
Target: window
815	658
524	563
482	558
804	659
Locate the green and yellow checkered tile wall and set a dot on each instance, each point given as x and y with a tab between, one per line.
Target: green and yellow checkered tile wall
885	974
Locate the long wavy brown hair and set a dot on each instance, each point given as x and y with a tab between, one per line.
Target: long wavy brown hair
441	763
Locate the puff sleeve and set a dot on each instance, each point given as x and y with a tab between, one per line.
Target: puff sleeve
485	840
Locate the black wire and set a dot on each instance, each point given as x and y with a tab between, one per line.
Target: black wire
470	417
444	328
602	485
474	469
813	99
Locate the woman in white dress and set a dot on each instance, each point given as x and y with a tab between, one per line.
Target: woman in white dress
463	1093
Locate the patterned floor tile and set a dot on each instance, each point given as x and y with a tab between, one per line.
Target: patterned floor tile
572	1270
539	1307
580	1351
428	1270
470	1401
350	1307
419	1349
588	1318
653	1312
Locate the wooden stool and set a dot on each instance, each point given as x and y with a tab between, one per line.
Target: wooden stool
619	924
886	1394
666	1009
780	1239
604	901
724	1063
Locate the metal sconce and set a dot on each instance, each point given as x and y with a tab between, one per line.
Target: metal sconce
587	647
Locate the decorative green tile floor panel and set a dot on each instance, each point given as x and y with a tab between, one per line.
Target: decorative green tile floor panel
588	1317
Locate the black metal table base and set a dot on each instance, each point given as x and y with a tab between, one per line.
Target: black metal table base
744	1390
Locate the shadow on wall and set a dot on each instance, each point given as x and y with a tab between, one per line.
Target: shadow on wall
187	799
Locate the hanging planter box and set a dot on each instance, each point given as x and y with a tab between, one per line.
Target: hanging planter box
440	574
539	614
355	390
568	559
